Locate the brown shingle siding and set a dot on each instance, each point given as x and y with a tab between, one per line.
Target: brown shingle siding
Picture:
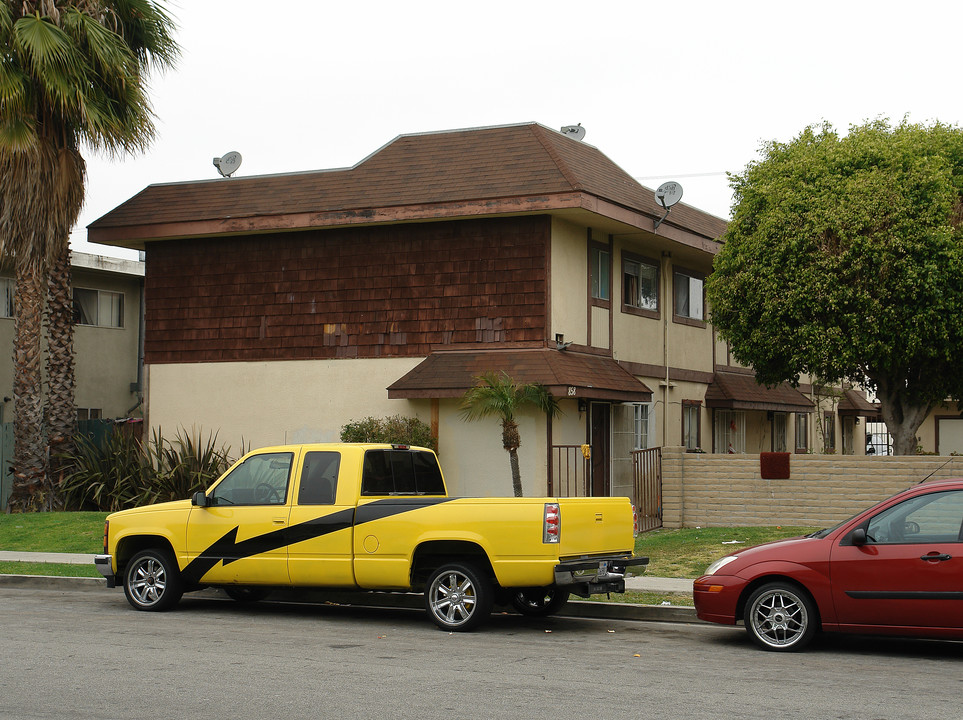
369	292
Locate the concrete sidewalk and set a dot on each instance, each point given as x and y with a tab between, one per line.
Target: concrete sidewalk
625	611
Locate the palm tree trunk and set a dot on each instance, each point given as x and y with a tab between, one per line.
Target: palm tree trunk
28	454
516	473
61	412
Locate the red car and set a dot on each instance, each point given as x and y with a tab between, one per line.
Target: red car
895	569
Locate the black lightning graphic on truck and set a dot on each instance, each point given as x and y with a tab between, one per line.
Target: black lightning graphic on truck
227	549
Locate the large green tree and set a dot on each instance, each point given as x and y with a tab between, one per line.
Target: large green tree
844	262
72	73
498	395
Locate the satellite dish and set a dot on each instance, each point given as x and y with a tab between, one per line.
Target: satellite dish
576	132
668	193
228	164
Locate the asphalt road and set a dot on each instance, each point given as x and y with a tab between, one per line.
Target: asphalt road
83	654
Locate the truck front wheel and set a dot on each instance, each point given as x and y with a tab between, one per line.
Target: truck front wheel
458	597
152	580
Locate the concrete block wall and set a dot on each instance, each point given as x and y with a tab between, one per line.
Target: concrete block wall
718	490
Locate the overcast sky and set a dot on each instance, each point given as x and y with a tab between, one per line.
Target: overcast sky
684	90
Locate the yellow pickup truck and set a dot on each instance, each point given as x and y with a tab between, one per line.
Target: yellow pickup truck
369	517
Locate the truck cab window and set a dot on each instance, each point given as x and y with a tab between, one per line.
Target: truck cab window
319	478
401	472
259	480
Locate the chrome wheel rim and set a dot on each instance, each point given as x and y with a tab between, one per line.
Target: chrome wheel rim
452	598
148	581
779	618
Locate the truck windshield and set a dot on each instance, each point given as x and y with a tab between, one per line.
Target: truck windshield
401	472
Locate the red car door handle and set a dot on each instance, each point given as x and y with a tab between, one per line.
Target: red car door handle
939	558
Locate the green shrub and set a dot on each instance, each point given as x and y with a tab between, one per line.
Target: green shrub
396	429
121	472
107	475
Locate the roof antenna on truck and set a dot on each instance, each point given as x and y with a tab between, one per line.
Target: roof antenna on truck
667	195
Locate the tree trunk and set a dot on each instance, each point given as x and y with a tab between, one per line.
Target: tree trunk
28	454
61	412
511	440
516	473
902	417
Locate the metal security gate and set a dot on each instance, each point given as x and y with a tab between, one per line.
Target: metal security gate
570	472
647	469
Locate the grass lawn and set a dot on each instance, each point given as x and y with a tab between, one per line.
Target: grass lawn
687	552
62	532
683	553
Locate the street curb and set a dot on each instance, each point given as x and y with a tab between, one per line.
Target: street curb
576	608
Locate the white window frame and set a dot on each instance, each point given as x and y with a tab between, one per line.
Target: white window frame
92	315
687	295
636	301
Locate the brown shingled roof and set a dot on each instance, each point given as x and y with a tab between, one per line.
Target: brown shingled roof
738	391
450	373
529	165
854	403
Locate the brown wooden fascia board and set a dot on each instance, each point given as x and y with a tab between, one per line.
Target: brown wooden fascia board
137	235
645	222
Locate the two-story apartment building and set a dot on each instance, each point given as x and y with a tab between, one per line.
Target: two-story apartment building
280	307
107	331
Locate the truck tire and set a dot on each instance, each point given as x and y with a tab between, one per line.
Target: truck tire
539	602
152	580
458	596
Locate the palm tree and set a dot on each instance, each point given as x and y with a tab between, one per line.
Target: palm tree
498	394
72	72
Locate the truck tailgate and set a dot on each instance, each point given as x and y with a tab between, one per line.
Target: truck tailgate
595	525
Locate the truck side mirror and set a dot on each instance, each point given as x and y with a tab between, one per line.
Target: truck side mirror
199	499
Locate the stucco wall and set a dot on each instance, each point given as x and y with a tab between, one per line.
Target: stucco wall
273	403
703	490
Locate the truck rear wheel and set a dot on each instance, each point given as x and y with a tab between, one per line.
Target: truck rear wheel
458	597
152	580
539	602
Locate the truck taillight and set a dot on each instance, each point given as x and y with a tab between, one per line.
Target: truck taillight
552	523
106	526
636	522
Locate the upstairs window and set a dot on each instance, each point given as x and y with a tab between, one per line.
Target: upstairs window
100	308
688	296
599	265
640	286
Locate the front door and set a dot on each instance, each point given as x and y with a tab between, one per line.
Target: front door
241	536
601	439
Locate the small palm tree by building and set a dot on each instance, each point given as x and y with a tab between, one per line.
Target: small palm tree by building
72	72
497	394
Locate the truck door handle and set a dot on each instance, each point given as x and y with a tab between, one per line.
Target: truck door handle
941	557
